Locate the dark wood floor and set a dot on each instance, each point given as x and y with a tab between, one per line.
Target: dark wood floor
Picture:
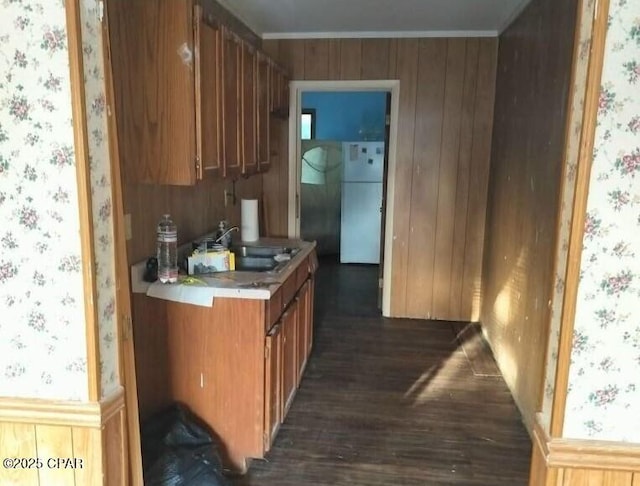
391	402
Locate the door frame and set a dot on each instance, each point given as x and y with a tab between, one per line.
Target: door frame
124	323
296	88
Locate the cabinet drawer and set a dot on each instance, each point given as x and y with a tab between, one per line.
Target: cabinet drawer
289	288
273	310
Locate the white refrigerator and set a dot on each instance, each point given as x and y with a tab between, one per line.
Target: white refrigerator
361	217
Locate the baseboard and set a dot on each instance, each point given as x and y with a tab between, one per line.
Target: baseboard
568	462
527	420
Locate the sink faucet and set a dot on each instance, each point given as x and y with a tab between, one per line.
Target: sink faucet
223	235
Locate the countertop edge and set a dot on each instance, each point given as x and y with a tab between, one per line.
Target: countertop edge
139	286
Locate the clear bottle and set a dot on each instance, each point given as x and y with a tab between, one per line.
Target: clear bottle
167	249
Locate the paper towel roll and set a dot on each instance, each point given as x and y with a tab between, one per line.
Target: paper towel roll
249	219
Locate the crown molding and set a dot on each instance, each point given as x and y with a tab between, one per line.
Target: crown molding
380	34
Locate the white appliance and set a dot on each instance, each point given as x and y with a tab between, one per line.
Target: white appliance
361	219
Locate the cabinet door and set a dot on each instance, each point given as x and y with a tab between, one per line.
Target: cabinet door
279	84
312	291
303	329
275	90
184	366
264	157
208	95
273	385
249	110
279	90
231	105
272	86
154	88
289	358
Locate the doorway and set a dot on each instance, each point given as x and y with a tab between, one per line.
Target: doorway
341	165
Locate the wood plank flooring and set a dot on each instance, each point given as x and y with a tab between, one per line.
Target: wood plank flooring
391	402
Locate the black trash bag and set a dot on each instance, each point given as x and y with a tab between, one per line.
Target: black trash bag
178	451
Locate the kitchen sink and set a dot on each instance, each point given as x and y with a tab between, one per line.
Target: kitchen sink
255	263
261	258
262	251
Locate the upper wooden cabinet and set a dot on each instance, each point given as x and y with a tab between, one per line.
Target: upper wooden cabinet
263	102
279	91
189	93
208	92
231	64
249	110
152	55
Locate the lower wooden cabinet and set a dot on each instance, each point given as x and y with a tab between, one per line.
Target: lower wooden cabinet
273	385
309	335
303	329
237	365
289	355
287	349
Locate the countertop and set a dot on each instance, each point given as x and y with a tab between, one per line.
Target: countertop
235	284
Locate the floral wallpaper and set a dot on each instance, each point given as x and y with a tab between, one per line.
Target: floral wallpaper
42	330
100	191
604	380
581	65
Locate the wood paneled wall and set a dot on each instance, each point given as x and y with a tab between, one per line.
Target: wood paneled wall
196	210
567	462
92	435
534	70
541	475
444	138
276	181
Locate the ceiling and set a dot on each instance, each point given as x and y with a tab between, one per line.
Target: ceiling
274	19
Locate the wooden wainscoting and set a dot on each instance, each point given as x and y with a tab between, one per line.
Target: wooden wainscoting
92	434
442	162
573	462
528	156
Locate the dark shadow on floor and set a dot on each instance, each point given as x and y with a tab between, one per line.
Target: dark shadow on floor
346	289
